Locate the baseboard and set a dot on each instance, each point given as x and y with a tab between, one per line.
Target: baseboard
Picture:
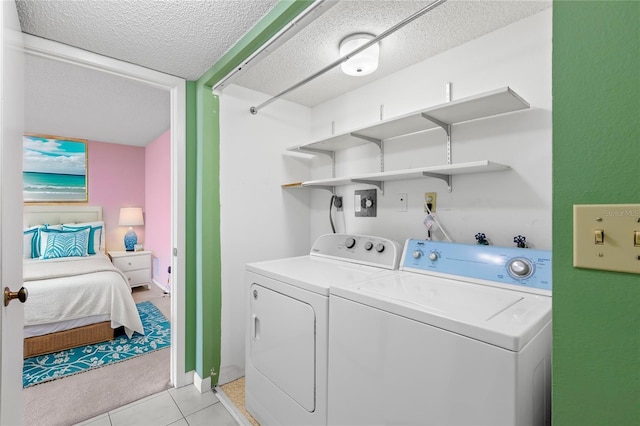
161	286
203	385
188	378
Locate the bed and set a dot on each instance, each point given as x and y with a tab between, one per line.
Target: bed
76	296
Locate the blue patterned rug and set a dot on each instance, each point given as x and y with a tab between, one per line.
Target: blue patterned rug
43	368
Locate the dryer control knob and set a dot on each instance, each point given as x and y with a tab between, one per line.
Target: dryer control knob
417	254
368	245
520	268
350	243
380	247
433	255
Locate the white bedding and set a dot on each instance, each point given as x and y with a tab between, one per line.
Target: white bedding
77	287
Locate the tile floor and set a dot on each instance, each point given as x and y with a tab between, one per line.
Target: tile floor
176	407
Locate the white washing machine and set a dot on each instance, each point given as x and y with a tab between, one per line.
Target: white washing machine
288	320
461	335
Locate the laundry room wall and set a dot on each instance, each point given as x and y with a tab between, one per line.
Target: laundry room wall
500	204
259	220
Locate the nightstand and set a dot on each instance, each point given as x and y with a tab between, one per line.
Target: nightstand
136	265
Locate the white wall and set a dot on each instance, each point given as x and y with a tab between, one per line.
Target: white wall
259	220
500	204
262	221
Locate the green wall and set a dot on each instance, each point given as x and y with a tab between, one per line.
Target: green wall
190	227
596	160
203	274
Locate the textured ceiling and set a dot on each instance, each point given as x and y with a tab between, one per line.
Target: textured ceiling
67	100
186	37
316	46
180	37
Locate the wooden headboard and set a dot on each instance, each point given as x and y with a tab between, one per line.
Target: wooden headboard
54	215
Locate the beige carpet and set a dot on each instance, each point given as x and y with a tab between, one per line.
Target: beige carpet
80	397
76	398
235	391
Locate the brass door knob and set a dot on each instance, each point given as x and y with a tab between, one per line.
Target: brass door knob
9	295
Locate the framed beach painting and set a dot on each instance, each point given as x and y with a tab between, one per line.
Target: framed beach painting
54	169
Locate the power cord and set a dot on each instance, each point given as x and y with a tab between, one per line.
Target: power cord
337	202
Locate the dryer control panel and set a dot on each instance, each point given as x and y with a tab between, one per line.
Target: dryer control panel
512	266
362	249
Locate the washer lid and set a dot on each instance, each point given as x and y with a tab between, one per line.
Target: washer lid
313	273
500	317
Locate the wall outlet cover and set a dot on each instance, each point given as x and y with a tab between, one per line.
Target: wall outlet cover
430	198
365	203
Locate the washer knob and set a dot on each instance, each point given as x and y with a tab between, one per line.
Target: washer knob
433	256
379	247
417	254
520	268
351	242
368	245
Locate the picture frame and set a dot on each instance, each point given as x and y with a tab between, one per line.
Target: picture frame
55	169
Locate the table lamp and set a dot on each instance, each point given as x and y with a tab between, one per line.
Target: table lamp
130	216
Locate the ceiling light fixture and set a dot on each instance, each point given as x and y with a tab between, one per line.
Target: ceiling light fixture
364	62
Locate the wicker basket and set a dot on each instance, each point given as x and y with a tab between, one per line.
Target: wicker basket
67	339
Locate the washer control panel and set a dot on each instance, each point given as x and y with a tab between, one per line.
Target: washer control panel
363	249
507	265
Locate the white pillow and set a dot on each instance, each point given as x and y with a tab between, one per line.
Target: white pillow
31	240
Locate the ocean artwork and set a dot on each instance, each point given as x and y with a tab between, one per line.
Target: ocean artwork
54	169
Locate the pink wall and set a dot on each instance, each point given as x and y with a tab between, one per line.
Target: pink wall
158	204
116	179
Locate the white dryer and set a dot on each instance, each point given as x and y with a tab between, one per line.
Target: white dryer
288	320
461	335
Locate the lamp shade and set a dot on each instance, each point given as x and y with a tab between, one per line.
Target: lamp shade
130	216
364	62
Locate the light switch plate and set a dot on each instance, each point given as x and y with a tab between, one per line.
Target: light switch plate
605	237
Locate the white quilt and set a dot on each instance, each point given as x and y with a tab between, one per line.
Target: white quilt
77	287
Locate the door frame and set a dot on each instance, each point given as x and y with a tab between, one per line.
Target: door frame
177	88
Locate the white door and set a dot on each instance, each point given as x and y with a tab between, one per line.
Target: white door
11	129
282	343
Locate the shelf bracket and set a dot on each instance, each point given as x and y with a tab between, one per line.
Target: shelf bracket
329	188
331	155
445	126
446	178
378	142
447	129
368	139
378	183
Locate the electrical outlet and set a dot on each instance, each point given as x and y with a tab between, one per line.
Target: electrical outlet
430	201
337	203
403	202
365	203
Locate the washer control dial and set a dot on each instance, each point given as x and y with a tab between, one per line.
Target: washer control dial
350	242
433	256
520	268
379	247
368	245
417	254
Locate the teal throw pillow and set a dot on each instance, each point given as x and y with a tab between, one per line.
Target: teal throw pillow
66	244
